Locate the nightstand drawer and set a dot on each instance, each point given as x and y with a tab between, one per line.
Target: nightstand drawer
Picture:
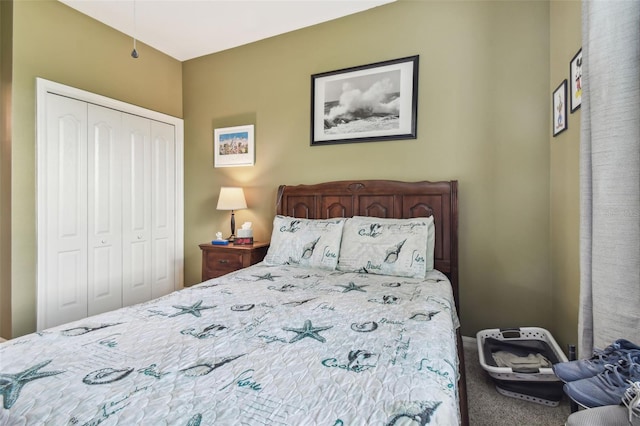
224	262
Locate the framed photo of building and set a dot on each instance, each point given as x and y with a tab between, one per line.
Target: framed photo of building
559	103
234	146
374	102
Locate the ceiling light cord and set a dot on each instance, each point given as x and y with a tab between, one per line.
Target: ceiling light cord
134	52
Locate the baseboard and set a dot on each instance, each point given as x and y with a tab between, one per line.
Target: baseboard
469	340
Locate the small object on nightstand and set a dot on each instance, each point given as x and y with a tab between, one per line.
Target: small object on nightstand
219	241
245	235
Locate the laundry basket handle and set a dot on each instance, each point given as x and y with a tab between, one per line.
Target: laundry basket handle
510	333
525	370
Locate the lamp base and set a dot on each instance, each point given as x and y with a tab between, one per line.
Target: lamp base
232	237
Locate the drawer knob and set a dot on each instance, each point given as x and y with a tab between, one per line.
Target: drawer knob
223	261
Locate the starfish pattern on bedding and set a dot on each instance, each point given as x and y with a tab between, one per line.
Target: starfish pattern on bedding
266	276
307	330
11	384
193	309
352	286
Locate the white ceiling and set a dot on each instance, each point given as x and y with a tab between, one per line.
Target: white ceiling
187	29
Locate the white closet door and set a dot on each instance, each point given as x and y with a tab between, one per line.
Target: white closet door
104	210
136	209
65	186
163	149
110	204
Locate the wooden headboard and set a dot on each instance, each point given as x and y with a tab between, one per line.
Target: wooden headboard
384	198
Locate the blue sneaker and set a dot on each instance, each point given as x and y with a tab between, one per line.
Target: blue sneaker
608	387
585	368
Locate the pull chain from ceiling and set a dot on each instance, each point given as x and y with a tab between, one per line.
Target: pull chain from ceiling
134	52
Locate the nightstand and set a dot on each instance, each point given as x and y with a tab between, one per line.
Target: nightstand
219	260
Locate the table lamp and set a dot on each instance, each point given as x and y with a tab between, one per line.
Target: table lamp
231	199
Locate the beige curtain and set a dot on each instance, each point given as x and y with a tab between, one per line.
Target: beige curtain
610	174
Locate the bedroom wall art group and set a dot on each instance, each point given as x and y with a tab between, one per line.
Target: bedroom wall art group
562	96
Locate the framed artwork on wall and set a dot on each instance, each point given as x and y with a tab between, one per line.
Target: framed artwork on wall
234	146
575	77
374	102
559	103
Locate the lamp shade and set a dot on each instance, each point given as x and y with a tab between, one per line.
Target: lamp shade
231	198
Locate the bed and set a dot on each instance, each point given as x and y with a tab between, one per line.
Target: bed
337	326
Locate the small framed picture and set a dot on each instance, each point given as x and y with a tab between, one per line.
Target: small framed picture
575	77
559	102
374	102
234	146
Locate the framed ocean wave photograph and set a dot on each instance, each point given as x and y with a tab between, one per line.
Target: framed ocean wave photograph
375	102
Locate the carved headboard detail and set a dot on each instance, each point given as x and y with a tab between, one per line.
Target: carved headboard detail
384	198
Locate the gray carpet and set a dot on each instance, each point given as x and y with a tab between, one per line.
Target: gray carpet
488	407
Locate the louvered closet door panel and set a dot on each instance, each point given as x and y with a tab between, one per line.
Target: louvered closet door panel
66	197
164	206
104	210
136	209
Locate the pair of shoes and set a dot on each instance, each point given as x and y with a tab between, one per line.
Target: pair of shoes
608	387
584	368
631	399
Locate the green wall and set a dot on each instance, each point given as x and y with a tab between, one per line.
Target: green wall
483	119
566	35
53	41
486	73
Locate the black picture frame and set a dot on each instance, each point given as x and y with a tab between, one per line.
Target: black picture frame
575	79
559	109
374	102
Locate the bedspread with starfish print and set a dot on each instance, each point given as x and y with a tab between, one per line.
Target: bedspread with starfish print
266	345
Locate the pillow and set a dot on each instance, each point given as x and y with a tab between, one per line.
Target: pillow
313	243
387	246
431	237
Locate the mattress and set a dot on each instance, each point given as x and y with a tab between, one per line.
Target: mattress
266	345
